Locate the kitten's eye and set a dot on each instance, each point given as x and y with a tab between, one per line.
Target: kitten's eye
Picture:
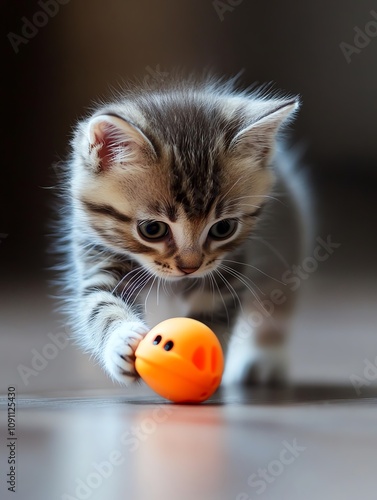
153	230
223	229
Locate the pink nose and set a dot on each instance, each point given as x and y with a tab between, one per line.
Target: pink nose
188	270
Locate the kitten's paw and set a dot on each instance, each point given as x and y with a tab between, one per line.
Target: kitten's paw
257	367
119	355
270	369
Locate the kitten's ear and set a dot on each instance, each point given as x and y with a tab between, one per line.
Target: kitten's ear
113	141
257	140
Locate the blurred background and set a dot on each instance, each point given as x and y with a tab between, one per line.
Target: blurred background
61	56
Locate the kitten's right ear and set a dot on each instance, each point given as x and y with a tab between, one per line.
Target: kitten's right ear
114	141
257	140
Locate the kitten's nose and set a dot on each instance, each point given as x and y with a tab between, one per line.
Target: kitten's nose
188	270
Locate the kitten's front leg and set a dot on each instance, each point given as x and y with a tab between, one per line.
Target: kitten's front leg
257	354
109	327
119	352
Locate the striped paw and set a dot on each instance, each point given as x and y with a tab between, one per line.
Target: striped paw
119	354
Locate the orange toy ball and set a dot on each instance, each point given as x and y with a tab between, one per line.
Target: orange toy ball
181	359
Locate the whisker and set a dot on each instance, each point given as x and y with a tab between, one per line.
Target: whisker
150	289
229	190
231	289
132	283
240	278
164	287
221	295
158	290
202	284
269	197
192	285
138	282
124	277
142	286
210	279
253	267
234	205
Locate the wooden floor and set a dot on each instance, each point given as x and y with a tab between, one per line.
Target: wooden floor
79	437
303	443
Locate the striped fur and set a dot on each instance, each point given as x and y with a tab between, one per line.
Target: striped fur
186	157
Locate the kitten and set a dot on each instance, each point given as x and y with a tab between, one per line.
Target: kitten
171	213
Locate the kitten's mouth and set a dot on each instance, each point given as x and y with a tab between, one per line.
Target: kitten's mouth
199	273
180	273
174	276
187	271
182	276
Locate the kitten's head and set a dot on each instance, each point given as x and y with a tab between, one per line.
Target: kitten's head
175	177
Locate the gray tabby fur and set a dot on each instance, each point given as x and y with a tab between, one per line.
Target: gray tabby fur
188	154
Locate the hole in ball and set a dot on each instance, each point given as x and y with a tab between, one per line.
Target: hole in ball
169	345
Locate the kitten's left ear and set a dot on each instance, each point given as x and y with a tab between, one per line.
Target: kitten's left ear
257	140
114	141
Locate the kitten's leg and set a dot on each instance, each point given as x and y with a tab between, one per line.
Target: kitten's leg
258	350
108	327
253	343
257	354
119	331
